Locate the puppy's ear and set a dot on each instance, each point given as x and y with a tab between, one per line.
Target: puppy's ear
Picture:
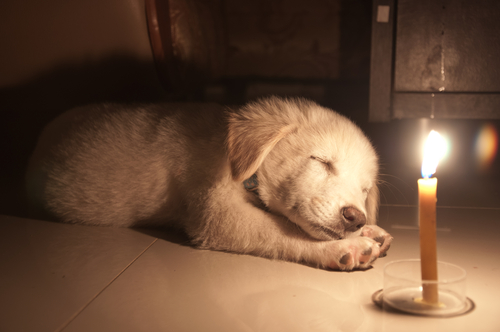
252	134
372	203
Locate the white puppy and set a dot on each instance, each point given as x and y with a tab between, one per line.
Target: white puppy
310	193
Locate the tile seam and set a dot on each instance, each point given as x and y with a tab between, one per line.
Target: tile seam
62	327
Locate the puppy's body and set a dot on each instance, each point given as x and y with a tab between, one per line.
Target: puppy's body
183	165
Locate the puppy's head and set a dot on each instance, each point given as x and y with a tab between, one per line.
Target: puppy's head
314	166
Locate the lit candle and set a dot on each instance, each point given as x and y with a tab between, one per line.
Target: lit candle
433	151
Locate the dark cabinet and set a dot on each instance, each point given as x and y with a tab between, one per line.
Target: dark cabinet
436	59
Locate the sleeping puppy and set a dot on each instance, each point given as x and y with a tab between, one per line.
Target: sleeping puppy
279	178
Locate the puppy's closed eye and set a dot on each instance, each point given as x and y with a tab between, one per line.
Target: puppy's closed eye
328	164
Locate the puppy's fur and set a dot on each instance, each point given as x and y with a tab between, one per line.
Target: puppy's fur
183	165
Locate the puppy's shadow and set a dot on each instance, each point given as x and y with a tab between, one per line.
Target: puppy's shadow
357	270
171	235
27	107
179	237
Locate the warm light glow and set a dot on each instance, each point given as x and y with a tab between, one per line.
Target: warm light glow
486	146
434	149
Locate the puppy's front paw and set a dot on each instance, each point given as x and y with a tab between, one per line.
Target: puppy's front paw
353	253
379	235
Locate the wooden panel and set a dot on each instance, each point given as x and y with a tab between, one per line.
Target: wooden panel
446	105
381	62
418	46
283	39
448	45
472	46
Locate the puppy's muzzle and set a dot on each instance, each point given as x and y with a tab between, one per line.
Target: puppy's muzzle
354	219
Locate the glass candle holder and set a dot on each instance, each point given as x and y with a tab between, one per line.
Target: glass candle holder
403	290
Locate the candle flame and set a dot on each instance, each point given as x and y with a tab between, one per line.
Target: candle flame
434	150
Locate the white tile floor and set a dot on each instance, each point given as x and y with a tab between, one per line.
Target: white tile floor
57	277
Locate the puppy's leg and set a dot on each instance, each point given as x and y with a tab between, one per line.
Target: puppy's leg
229	223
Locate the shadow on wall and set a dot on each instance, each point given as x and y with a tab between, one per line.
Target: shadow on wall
28	107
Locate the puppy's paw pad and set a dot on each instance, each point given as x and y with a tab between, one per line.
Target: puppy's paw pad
367	252
355	253
380	240
345	259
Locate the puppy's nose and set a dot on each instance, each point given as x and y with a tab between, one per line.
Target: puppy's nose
355	218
